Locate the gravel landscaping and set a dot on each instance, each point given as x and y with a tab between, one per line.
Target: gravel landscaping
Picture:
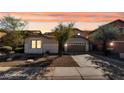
112	70
51	61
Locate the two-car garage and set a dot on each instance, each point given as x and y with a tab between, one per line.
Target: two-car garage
77	44
76	47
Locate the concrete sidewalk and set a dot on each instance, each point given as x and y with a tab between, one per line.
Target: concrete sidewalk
54	73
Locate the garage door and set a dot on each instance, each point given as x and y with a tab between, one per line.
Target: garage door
76	48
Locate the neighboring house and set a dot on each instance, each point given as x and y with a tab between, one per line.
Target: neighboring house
83	33
117	23
38	43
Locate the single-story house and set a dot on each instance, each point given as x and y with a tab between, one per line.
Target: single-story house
38	43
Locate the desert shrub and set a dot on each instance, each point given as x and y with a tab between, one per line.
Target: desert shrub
5	49
19	50
13	39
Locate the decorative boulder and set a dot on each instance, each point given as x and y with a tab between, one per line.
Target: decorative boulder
9	59
29	61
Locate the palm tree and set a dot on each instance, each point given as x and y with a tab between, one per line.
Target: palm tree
104	34
62	33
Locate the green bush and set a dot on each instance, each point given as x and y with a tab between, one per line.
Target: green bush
19	50
5	49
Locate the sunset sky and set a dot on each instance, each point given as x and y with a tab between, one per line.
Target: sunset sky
46	21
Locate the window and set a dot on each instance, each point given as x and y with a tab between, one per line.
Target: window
33	43
36	43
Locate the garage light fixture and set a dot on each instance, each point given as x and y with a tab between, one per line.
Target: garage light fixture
78	34
112	44
66	45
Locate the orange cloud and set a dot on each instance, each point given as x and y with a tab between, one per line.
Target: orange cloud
66	16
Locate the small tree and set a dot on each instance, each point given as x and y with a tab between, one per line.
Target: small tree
13	39
13	28
10	23
104	34
62	33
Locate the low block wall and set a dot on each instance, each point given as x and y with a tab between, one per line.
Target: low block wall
121	55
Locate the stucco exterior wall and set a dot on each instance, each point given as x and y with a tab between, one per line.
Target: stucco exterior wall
121	55
77	40
28	46
87	46
119	46
52	48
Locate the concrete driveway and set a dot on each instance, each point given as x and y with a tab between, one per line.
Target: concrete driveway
87	69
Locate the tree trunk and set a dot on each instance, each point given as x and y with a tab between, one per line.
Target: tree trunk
60	49
63	48
13	48
105	48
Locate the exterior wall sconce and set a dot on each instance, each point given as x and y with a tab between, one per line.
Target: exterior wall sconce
78	34
66	45
112	44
